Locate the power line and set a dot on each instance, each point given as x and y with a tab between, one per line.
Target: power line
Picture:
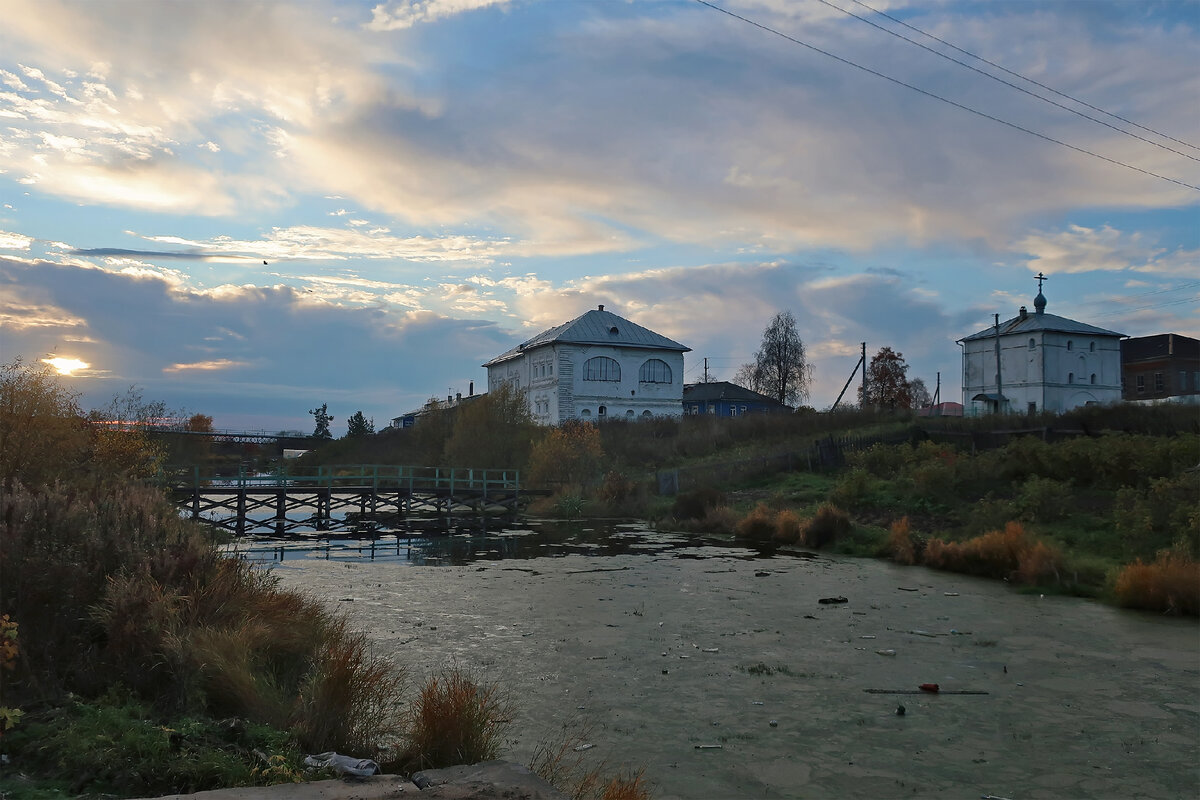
930	94
1024	78
1011	84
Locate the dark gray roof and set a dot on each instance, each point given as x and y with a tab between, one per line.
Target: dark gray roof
595	327
724	390
1030	323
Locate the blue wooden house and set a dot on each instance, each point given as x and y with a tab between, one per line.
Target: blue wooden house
724	399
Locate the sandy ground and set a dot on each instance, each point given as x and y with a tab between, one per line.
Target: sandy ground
669	654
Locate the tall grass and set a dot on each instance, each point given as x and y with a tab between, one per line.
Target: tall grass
1170	584
454	720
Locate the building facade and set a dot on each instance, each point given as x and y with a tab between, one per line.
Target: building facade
1163	367
724	399
597	366
1039	362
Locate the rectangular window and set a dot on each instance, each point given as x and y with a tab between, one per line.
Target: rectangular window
1158	382
1141	384
1182	381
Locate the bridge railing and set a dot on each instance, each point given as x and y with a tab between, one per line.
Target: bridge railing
377	477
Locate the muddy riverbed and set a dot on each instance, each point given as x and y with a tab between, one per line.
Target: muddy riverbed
719	670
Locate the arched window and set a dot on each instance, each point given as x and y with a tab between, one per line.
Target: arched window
655	371
585	414
601	368
1093	377
1070	345
1032	343
1070	377
1092	347
602	411
647	415
629	415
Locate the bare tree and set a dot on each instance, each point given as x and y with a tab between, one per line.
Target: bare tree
780	369
919	393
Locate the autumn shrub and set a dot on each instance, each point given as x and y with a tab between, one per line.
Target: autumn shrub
569	454
788	527
564	761
1010	554
1170	584
758	525
454	720
827	525
900	543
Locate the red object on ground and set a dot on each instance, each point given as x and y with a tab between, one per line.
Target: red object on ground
929	687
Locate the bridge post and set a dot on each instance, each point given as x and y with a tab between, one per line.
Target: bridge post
241	509
280	510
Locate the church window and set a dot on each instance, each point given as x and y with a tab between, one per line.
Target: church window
1070	377
1093	378
1032	343
1070	345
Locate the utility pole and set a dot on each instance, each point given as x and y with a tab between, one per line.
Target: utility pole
706	369
999	391
864	363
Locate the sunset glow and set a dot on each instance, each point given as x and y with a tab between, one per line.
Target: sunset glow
66	366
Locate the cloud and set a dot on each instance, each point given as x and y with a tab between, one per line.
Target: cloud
14	241
206	366
402	14
1078	249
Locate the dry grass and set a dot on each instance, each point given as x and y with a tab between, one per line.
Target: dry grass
788	527
1010	554
1170	584
900	543
454	720
759	524
829	524
626	787
563	762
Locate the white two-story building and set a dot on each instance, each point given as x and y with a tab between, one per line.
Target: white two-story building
1046	363
597	366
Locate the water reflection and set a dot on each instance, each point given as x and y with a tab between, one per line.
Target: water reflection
527	539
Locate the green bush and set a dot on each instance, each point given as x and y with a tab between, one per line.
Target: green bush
1044	499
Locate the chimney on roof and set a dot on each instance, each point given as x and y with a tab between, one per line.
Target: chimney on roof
602	306
458	397
1023	312
471	389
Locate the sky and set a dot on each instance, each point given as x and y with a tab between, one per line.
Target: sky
250	209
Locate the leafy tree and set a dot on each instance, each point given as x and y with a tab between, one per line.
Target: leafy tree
780	369
887	381
491	430
570	454
42	433
323	418
358	426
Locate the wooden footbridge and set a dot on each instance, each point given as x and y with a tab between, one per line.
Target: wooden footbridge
346	499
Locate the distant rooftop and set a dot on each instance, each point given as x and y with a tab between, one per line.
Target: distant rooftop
1025	322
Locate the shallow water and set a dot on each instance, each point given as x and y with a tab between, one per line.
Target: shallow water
667	645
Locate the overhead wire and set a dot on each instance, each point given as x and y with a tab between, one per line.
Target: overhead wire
946	100
1024	77
998	79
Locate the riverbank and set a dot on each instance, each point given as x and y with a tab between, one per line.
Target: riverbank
678	657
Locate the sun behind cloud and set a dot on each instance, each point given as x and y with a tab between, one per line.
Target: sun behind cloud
66	366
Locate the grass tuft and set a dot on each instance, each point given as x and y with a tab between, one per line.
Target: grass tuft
454	720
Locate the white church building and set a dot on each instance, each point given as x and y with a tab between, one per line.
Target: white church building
1046	363
597	366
